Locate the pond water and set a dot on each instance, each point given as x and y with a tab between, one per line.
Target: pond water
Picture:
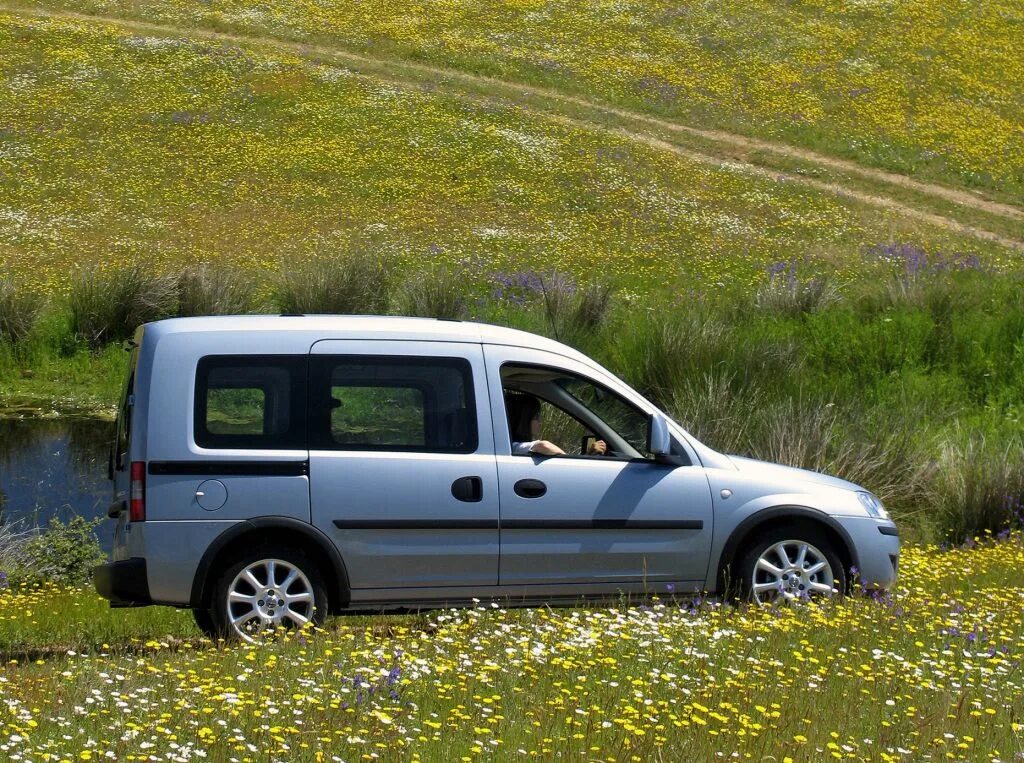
55	468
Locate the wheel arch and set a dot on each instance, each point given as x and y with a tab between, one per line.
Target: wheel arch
279	531
778	516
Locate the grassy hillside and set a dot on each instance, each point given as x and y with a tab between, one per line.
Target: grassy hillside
930	89
117	147
736	291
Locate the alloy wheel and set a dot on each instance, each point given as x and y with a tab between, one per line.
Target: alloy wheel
791	570
267	594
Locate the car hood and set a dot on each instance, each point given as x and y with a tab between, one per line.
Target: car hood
789	473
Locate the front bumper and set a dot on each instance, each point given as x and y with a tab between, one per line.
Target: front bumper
876	548
124	583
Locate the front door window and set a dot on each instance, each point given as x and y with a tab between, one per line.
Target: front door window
554	412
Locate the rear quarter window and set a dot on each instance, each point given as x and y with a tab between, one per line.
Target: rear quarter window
249	401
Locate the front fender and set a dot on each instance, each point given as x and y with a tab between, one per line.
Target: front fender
730	537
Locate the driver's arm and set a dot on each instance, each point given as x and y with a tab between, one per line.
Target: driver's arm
546	448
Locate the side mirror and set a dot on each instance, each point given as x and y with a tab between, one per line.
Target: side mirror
659	442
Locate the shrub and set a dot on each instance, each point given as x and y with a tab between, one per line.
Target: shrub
19	311
354	283
436	293
206	289
64	551
108	304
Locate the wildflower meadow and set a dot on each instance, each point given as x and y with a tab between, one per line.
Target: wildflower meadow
930	671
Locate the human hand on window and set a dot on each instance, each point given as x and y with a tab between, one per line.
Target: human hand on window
545	448
597	448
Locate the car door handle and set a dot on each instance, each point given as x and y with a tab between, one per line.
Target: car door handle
530	488
468	489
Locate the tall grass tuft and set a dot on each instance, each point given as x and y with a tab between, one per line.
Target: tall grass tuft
712	409
436	293
108	304
19	311
358	282
18	558
979	486
555	304
843	440
667	348
786	294
206	289
573	312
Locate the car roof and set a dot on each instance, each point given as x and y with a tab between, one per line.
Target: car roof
365	327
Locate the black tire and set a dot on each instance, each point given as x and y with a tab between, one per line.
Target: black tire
743	570
204	621
220	606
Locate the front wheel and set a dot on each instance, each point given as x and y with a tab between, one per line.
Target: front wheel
268	588
791	564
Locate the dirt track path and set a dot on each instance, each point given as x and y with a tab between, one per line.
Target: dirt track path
407	73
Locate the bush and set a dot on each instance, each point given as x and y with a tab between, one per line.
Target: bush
19	311
108	304
64	552
436	293
358	283
206	289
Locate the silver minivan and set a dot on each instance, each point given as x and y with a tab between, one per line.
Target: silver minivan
272	470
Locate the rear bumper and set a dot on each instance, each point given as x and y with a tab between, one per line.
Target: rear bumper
124	583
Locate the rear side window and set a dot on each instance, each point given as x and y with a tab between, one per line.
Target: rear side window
123	426
251	401
363	402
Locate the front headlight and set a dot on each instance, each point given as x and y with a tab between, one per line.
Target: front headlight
873	506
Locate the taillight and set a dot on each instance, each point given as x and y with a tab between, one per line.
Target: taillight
137	502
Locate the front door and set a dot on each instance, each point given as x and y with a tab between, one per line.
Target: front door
603	512
401	461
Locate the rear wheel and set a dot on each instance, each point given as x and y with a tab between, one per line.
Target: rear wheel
267	588
791	564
